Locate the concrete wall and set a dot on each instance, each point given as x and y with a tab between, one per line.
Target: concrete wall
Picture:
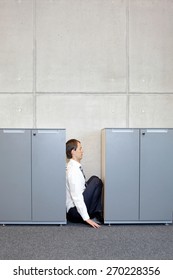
84	65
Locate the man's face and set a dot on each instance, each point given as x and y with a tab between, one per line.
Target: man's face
78	154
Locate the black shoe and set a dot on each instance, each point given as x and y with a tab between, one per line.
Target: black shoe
99	217
96	221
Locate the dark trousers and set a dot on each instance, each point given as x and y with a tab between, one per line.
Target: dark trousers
92	198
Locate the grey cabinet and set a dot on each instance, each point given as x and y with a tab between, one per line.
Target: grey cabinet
156	175
15	175
32	176
137	170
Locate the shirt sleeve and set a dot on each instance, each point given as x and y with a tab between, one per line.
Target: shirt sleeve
76	184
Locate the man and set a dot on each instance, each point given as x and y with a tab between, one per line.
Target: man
83	199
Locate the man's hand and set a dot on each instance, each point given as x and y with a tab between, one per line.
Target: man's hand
92	223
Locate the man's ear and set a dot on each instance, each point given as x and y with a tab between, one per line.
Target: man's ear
72	151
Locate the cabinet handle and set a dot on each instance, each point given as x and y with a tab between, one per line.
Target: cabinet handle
13	131
34	134
157	130
122	130
143	133
48	131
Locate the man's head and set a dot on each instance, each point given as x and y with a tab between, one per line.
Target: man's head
74	149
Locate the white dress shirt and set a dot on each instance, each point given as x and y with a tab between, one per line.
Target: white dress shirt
75	186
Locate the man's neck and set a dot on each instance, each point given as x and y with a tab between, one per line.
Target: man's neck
76	159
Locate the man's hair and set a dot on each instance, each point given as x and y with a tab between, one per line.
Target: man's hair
71	145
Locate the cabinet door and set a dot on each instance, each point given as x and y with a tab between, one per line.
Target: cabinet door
15	175
48	176
156	176
121	202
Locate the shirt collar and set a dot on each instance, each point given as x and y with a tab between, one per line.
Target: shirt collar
74	162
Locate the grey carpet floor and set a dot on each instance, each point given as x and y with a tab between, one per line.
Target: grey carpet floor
69	242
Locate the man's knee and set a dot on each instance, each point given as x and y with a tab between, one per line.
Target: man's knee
95	181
